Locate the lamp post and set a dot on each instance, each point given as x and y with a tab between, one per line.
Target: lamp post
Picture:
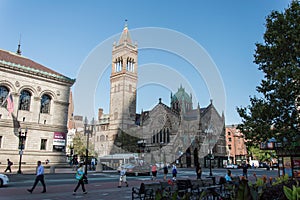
160	152
211	157
22	138
88	129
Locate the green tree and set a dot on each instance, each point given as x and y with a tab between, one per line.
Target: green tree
274	113
261	155
79	145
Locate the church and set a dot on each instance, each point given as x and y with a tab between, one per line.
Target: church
175	133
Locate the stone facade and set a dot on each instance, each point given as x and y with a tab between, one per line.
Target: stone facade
18	74
176	133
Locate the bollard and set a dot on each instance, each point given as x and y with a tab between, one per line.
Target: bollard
52	169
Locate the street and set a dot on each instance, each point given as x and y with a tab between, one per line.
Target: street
101	185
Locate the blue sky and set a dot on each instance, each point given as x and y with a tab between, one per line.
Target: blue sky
62	34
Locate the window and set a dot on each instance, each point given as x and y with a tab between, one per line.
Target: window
45	104
43	144
3	95
228	133
0	142
102	138
229	139
25	100
229	147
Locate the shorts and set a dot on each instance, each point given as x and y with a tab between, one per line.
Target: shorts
123	178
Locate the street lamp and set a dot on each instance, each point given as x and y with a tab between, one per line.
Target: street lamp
88	129
22	138
160	146
211	157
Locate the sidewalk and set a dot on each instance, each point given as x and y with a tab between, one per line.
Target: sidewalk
99	191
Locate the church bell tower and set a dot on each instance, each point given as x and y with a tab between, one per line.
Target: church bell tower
123	83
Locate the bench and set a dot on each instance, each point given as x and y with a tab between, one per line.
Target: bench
145	191
183	186
168	189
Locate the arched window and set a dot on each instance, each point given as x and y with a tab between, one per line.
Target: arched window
102	138
168	136
3	95
45	104
25	100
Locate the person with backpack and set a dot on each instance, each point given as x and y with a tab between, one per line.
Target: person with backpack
9	164
174	172
80	176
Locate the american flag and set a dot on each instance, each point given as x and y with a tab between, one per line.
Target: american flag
10	104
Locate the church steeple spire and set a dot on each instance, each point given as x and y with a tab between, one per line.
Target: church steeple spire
125	37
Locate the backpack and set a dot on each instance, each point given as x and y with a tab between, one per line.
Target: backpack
174	171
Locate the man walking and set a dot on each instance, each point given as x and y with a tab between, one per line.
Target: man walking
9	164
245	170
39	177
122	177
165	172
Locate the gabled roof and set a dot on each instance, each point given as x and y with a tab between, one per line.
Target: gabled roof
16	61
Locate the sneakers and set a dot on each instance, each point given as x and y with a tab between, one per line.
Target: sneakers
119	186
29	190
85	192
127	185
74	193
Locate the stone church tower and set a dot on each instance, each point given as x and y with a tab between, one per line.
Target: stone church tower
123	83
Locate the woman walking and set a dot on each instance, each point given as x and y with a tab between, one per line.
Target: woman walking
154	172
80	176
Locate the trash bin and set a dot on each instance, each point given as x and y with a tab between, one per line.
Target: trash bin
52	169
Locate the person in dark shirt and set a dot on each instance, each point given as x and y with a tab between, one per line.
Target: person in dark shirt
165	172
9	164
198	171
245	170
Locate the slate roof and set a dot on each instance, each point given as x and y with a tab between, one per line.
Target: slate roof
16	61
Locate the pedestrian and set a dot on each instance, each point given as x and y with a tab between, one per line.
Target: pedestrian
198	171
228	176
80	176
165	172
174	172
154	171
93	163
245	170
39	177
122	177
74	164
9	164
